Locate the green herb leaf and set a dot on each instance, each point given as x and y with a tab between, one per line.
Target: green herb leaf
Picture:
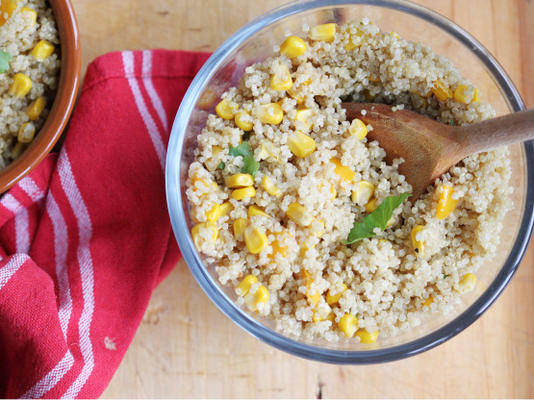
377	219
242	150
5	58
250	166
221	165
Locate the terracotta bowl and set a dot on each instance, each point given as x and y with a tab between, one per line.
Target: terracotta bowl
69	79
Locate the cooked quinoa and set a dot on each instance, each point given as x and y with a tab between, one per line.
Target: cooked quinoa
289	262
23	28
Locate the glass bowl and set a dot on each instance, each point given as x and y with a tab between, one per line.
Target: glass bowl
254	43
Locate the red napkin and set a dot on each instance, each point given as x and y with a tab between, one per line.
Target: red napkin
86	237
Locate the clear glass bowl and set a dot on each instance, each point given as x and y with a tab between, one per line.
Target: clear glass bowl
255	42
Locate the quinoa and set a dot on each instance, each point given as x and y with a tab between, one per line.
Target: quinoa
313	279
18	36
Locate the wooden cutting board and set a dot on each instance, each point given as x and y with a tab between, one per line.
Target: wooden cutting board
185	347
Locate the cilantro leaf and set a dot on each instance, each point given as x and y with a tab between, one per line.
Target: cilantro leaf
250	166
242	150
221	165
377	219
5	58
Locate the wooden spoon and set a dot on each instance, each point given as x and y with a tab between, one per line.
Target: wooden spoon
429	148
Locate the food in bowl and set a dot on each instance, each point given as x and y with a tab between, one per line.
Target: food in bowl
29	69
300	213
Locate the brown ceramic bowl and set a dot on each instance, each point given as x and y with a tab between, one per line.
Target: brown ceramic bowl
69	79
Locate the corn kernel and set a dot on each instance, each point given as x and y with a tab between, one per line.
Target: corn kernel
217	211
324	32
226	109
304	116
301	144
476	96
269	149
21	85
276	245
270	113
295	95
358	128
255	238
242	193
269	186
441	91
418	245
260	296
199	237
334	298
446	204
371	205
26	133
243	120
30	14
429	300
35	109
42	50
245	285
281	78
255	210
314	297
239	180
363	192
467	283
239	227
342	170
293	47
366	336
464	94
7	7
355	40
299	214
348	324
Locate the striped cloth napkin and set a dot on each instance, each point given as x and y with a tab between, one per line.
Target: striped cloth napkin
86	237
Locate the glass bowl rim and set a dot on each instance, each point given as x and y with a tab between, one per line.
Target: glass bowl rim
240	317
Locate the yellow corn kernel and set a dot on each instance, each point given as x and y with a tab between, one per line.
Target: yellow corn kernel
26	133
277	247
293	47
226	109
295	95
30	14
418	245
342	170
371	205
199	237
467	283
299	214
441	91
301	144
239	227
333	192
242	193
358	128
363	192
255	210
21	85
217	211
429	300
355	40
464	94
270	113
216	150
476	96
255	238
334	298
7	7
35	109
315	297
269	186
239	180
325	32
243	120
304	116
446	204
260	296
245	285
42	50
281	78
348	324
366	336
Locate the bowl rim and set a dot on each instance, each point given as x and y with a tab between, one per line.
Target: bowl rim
262	332
64	100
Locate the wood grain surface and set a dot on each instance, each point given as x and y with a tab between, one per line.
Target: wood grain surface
185	347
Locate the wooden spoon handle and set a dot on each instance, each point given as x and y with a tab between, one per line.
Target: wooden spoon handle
491	134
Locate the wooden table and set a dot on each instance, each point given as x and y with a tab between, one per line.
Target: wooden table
185	347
